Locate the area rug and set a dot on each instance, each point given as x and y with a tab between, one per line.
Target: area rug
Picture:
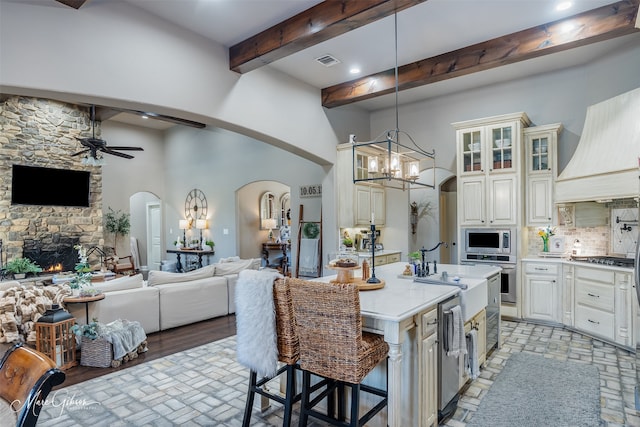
535	391
203	386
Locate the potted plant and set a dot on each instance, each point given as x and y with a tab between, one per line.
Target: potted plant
83	271
89	330
208	245
20	267
117	222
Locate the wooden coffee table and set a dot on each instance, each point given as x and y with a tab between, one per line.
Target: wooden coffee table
83	300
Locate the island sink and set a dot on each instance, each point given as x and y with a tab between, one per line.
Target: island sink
473	292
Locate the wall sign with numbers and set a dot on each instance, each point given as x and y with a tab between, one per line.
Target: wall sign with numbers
311	190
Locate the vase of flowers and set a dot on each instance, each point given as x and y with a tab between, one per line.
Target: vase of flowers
545	233
83	271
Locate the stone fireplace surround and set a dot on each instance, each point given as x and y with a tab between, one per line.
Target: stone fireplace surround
42	132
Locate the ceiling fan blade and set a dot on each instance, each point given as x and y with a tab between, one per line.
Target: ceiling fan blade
81	152
76	4
115	153
126	148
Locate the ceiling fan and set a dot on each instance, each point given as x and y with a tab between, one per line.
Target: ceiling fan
94	145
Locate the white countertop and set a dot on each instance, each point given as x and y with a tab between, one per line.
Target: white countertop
549	260
367	254
402	298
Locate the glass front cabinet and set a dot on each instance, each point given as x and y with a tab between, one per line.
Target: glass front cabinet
489	169
541	144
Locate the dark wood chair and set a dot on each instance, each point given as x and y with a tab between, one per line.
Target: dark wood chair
333	346
26	378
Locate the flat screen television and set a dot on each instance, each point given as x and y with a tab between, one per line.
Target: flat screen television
35	185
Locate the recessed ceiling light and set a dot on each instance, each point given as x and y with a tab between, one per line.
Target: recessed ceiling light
567	27
145	117
354	70
563	5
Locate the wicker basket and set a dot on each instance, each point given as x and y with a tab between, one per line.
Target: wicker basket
96	353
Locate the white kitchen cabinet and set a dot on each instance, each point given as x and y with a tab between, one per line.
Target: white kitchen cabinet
488	163
625	300
542	291
541	144
356	202
429	361
595	301
369	199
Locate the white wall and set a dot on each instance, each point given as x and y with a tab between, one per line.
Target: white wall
112	53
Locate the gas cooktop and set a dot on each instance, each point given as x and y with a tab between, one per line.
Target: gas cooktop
606	260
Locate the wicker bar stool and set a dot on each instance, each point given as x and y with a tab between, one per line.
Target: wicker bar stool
333	345
288	354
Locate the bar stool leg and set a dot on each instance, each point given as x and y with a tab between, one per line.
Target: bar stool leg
355	401
304	403
250	395
291	395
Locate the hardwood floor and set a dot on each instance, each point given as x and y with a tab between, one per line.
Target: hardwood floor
163	343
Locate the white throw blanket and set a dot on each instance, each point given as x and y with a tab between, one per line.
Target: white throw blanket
124	335
457	342
472	365
256	321
308	257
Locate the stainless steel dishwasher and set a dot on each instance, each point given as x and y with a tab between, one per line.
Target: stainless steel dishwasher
448	367
493	312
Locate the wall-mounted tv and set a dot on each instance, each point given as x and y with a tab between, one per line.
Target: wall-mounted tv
34	185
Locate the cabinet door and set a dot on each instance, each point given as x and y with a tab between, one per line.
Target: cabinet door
502	148
363	204
430	384
378	203
502	200
568	295
472	198
541	302
471	151
540	200
480	324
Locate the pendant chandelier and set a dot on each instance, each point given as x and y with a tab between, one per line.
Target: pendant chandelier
389	161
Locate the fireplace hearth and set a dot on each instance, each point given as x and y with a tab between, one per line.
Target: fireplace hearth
53	255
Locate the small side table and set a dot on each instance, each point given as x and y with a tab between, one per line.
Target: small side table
85	301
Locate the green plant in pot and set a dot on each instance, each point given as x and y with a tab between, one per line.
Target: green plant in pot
83	271
90	330
20	267
118	223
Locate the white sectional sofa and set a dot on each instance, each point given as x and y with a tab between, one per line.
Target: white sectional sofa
168	300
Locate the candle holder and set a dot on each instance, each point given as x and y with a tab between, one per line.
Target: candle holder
373	278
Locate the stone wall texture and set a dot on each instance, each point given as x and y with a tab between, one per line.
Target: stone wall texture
42	132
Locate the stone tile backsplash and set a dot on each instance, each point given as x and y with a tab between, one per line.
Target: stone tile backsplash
618	238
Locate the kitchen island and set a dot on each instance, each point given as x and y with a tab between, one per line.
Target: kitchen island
404	312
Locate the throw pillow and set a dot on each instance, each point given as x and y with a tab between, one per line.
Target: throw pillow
120	284
230	259
10	284
222	269
164	277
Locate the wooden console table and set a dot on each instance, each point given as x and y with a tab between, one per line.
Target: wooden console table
200	253
284	262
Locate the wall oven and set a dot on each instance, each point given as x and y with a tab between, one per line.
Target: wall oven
497	247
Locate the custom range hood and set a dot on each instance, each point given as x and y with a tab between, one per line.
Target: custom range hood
605	163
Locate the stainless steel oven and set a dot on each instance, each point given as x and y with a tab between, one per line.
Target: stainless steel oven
496	247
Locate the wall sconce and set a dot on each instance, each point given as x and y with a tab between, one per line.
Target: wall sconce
55	338
185	224
201	224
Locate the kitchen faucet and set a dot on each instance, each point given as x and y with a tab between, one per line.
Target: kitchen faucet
423	269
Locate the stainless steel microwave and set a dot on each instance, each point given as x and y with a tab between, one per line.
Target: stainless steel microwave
490	241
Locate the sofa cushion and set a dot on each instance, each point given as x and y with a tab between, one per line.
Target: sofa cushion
225	268
185	303
120	284
7	285
164	277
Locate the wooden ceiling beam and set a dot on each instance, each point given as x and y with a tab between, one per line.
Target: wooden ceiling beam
76	4
604	23
319	23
